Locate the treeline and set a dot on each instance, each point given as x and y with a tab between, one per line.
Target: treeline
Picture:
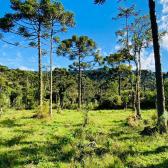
19	89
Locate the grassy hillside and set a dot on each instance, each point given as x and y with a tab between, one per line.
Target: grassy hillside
62	141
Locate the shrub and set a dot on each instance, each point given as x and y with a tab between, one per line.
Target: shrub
42	111
91	106
71	106
132	120
149	101
111	103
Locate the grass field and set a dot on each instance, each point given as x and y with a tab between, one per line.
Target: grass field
62	141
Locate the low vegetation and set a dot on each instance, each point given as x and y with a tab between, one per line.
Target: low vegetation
110	139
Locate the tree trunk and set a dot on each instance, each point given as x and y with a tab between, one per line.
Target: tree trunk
138	98
79	86
119	82
127	38
137	93
158	68
87	112
133	97
26	89
40	67
50	113
126	106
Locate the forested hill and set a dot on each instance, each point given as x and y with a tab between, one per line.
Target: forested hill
89	73
19	89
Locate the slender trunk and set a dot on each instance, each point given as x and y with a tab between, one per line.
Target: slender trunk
158	67
56	91
134	100
84	92
50	113
81	88
26	89
127	38
79	85
87	111
138	82
126	106
48	83
40	67
119	82
137	91
138	98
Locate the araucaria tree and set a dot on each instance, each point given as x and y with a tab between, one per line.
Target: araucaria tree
28	22
33	20
80	49
57	21
117	61
126	13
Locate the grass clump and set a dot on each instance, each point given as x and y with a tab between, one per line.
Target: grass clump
132	120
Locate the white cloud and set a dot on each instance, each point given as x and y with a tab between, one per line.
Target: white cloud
32	59
165	7
163	23
104	53
19	55
4	54
133	66
165	42
53	67
111	51
147	62
117	47
5	46
25	68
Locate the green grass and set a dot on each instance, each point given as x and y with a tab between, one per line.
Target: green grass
62	141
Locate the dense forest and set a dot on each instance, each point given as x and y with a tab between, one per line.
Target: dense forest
98	108
19	89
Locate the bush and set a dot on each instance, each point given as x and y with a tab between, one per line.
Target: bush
32	104
42	111
70	106
132	120
91	106
149	101
113	102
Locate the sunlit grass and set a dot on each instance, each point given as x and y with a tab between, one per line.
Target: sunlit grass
63	141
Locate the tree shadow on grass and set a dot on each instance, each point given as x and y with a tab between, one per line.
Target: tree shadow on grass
156	151
10	123
118	133
13	141
22	157
164	164
117	121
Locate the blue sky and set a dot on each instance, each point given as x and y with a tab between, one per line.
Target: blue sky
93	21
